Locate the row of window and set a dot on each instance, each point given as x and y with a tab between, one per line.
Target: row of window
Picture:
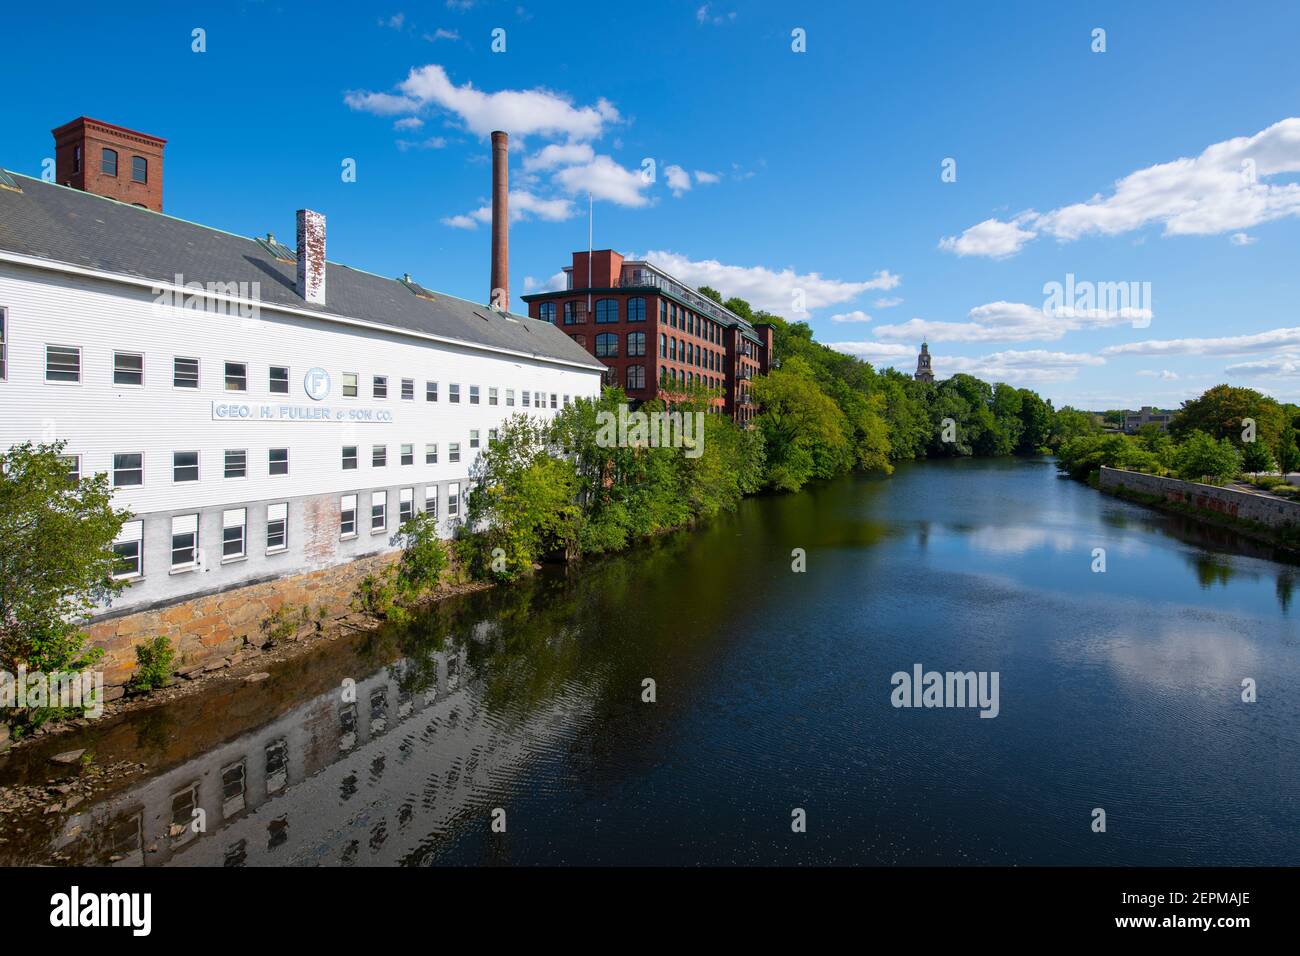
690	354
185	554
607	311
379	453
108	164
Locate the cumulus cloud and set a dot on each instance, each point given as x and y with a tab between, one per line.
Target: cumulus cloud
559	154
523	205
605	179
1219	191
1165	375
857	315
887	302
1226	345
679	180
706	178
408	122
1031	367
1241	239
520	112
1013	322
555	283
769	289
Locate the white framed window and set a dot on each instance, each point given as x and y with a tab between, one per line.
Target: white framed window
408	455
236	463
405	505
277	527
379	386
233	534
185	372
185	542
526	398
473	394
453	451
278	380
492	435
492	395
510	398
473	438
378	456
453	394
128	470
431	500
349	457
74	466
185	466
4	344
554	397
431	454
128	368
348	516
430	391
236	376
278	461
408	389
349	384
378	511
62	364
127	562
453	499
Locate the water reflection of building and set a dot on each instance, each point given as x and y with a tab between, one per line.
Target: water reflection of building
330	782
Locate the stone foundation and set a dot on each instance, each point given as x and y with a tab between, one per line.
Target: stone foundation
1271	512
208	629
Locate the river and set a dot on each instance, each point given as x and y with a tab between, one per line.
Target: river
522	707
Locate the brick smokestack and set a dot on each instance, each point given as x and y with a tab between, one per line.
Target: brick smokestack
500	287
311	256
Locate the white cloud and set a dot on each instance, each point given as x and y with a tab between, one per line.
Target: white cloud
857	315
605	179
703	16
559	154
1227	345
523	206
887	302
992	238
519	112
441	34
1242	239
554	284
768	289
433	142
409	122
1281	365
1220	190
1017	368
394	22
1163	374
1013	322
679	180
706	178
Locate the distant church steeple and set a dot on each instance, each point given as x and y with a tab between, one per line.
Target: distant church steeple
923	370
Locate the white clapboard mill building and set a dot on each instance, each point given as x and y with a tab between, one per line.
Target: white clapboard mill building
262	412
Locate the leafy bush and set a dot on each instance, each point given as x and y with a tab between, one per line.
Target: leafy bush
424	558
154	661
285	622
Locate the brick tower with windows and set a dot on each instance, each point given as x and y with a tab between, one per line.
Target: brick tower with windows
110	161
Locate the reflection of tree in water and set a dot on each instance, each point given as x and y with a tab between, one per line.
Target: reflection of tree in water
1285	587
1210	570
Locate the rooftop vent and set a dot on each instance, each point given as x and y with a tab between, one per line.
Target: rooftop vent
8	182
277	249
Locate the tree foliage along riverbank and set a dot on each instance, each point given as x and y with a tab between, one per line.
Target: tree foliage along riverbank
1225	432
542	488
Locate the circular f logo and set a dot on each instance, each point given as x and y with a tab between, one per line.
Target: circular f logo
317	384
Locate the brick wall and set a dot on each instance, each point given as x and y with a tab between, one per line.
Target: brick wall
211	628
1272	512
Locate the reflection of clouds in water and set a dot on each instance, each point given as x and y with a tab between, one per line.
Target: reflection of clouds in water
1176	656
1020	539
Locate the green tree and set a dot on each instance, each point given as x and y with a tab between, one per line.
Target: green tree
805	433
1221	412
423	560
1288	454
1201	458
57	560
1256	457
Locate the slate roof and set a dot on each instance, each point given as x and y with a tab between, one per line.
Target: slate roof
66	225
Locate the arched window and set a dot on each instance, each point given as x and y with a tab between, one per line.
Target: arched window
663	374
663	345
546	312
606	310
635	344
636	376
672	349
108	162
575	313
607	345
636	309
139	169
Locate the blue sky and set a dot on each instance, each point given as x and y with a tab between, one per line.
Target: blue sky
1171	158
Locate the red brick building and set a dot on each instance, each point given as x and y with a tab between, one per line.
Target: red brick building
658	336
110	161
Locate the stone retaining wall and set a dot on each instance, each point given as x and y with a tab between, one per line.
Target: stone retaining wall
208	629
1262	509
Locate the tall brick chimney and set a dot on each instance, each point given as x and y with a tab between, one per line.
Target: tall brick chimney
111	161
311	256
500	287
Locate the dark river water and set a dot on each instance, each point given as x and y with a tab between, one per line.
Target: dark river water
1119	691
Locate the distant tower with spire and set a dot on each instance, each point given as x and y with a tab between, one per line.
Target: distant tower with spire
923	371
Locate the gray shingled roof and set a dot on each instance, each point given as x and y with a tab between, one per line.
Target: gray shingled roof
67	225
